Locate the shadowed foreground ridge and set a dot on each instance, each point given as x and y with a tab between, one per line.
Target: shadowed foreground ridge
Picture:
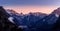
5	24
57	25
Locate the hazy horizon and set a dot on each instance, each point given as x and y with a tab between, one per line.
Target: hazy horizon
28	9
26	6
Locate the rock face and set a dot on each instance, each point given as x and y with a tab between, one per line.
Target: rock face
11	12
57	11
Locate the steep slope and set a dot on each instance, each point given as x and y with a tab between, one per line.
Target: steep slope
56	11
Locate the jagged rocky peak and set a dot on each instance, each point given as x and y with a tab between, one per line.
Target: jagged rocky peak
56	11
1	7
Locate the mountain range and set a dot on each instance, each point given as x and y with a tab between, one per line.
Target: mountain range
36	21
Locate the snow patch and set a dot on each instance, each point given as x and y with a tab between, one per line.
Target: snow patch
56	15
21	26
11	19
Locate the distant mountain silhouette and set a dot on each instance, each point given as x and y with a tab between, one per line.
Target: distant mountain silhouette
35	14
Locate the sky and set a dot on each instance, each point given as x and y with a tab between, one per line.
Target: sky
26	6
